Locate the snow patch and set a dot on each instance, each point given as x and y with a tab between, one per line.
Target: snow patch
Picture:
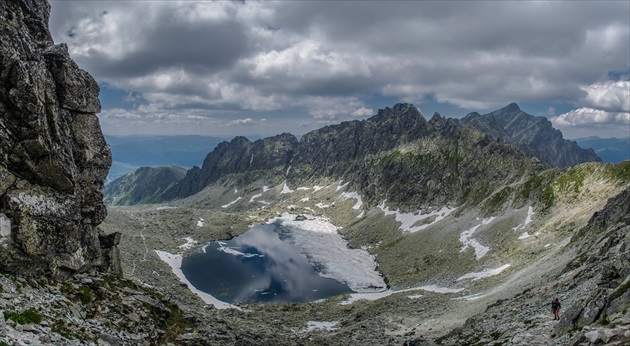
525	235
166	207
355	297
200	222
175	262
321	205
305	199
409	221
353	195
528	219
229	204
320	242
483	274
466	239
264	189
317	188
286	189
190	242
415	296
341	187
303	188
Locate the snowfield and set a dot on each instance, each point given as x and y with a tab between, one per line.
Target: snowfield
322	245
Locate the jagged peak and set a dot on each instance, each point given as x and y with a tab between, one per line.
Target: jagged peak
512	107
398	110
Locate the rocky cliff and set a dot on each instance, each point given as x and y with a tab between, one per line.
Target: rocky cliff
396	155
267	157
53	157
534	135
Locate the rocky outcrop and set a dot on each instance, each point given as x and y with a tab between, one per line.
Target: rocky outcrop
534	135
265	157
594	290
53	157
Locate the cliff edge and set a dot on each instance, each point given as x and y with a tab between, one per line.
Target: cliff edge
53	157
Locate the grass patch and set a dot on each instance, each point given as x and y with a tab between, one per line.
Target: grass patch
176	324
27	317
85	295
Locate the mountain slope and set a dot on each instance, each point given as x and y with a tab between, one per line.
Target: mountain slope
396	155
534	135
145	185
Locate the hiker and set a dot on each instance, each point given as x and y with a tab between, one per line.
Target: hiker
555	308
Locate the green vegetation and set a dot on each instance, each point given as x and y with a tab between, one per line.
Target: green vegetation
27	317
571	180
85	295
176	324
621	171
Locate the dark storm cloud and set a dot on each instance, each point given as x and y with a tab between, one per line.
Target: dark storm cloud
328	59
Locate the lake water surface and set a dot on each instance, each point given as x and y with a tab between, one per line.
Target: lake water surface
257	267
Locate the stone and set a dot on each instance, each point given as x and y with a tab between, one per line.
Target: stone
592	336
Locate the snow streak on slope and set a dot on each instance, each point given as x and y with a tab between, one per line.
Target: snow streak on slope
467	240
528	219
414	222
353	195
264	189
229	204
320	242
484	274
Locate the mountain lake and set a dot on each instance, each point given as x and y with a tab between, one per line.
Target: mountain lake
258	267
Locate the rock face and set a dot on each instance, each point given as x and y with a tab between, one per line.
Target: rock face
270	156
53	157
534	135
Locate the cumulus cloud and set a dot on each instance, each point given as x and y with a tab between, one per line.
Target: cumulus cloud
362	112
611	95
330	61
590	116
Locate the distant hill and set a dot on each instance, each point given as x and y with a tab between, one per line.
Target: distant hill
612	150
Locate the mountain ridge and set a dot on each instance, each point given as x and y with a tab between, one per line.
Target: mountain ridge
342	151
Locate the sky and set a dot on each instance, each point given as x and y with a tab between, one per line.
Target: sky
259	68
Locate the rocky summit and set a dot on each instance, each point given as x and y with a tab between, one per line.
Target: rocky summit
470	227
